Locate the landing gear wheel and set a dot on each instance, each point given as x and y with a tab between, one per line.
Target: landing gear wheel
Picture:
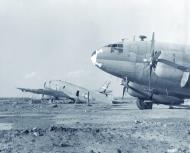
171	107
139	103
148	105
142	105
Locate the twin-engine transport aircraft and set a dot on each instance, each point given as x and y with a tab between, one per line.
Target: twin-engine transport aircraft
57	90
154	72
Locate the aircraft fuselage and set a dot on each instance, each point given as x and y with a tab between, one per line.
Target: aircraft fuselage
127	59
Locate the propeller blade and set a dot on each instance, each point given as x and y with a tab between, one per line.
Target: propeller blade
42	96
152	45
152	59
124	88
45	84
150	74
156	56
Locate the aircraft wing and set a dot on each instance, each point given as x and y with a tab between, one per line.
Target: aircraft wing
174	65
36	91
49	92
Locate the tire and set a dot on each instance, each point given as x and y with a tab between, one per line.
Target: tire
148	105
142	105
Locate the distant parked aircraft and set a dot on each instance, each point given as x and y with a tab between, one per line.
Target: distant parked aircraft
57	90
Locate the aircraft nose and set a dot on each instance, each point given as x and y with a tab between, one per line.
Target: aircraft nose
94	57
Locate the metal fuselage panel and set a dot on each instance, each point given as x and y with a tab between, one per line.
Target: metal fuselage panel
130	63
69	90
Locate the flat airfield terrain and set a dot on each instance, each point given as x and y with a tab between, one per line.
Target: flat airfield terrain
27	127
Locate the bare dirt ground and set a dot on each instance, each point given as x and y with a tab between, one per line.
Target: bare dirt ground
100	128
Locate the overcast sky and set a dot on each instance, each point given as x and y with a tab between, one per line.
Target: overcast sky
53	39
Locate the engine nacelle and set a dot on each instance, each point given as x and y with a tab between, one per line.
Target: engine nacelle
136	90
167	100
169	73
133	93
139	91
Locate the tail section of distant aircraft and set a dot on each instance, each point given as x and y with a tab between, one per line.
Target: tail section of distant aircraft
104	88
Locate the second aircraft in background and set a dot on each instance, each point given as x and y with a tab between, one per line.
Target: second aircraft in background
57	90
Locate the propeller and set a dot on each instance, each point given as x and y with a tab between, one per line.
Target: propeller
125	86
152	62
154	59
45	84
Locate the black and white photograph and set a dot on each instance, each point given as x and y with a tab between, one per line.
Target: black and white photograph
94	76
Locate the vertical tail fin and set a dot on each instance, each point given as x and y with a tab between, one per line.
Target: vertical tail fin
104	88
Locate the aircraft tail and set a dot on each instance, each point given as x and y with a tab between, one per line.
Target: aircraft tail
104	88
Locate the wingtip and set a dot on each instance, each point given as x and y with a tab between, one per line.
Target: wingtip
20	89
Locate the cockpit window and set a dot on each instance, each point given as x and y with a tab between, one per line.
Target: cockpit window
116	47
120	45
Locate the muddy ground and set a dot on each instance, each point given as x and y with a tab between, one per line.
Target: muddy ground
26	127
